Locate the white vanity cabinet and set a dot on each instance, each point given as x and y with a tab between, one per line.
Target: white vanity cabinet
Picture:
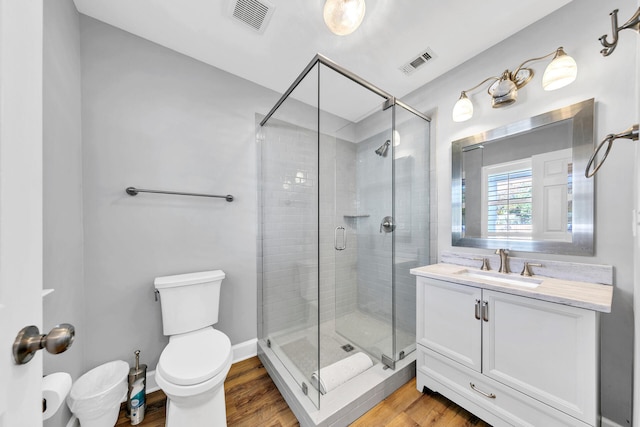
509	359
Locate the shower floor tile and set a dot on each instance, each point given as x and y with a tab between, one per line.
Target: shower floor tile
298	349
303	352
371	334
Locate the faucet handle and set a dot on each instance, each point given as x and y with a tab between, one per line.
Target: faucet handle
485	263
526	269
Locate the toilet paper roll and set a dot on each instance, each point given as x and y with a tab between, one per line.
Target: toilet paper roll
55	388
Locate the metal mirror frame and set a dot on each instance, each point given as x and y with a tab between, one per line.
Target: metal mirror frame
582	117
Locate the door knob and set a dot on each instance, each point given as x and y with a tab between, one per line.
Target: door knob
29	340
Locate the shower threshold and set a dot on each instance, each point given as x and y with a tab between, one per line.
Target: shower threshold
347	402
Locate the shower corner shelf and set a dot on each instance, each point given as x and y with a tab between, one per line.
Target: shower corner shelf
357	216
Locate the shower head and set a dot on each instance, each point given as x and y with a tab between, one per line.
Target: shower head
382	150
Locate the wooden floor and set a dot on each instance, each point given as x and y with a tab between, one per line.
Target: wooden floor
253	400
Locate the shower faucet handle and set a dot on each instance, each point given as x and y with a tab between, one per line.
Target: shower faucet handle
387	224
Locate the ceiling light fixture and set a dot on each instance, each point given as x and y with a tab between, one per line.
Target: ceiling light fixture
504	90
343	16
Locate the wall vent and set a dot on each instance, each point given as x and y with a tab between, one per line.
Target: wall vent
253	13
418	61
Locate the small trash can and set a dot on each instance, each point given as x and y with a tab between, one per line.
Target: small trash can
96	396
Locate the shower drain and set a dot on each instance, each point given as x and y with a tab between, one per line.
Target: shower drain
347	347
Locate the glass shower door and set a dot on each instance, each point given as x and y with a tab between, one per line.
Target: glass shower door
289	230
356	210
368	321
411	207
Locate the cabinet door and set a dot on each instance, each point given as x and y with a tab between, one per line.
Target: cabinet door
548	351
447	323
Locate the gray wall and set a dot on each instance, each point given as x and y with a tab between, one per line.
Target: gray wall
611	82
62	187
153	118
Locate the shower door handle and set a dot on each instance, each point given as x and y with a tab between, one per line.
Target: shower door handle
387	224
344	239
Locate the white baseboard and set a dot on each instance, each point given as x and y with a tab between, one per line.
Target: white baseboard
245	350
241	351
152	385
606	422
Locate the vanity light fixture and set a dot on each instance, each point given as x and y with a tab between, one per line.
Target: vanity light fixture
504	90
343	16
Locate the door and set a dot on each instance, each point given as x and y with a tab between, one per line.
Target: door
636	220
20	205
543	349
449	321
551	199
356	210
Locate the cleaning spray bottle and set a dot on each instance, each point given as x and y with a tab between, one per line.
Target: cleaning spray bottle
136	397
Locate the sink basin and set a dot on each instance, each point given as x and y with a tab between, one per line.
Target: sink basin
515	280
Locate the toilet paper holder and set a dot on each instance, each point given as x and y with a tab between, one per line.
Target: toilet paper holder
29	340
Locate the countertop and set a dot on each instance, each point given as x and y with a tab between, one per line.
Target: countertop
591	296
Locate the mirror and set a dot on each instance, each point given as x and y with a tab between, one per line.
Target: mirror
522	186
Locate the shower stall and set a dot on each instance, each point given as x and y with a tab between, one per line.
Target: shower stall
343	173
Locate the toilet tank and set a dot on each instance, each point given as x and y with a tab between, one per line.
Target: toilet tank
189	301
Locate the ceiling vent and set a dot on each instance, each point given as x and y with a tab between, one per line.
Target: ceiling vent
253	13
417	62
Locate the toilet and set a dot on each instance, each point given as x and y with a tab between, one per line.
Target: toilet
193	366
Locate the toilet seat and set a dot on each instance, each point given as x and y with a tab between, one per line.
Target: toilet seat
195	357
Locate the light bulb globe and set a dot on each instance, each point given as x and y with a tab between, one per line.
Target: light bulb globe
343	16
562	71
463	109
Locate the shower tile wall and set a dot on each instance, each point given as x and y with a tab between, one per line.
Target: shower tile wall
346	213
290	226
411	214
289	175
354	182
367	322
374	255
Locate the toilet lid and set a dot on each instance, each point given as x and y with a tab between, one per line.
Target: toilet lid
194	357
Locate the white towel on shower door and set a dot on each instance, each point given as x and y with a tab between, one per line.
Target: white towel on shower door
340	372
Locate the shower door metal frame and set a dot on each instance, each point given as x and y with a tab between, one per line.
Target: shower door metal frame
390	101
319	58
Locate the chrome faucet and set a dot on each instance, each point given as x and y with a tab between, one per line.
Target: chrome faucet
504	261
